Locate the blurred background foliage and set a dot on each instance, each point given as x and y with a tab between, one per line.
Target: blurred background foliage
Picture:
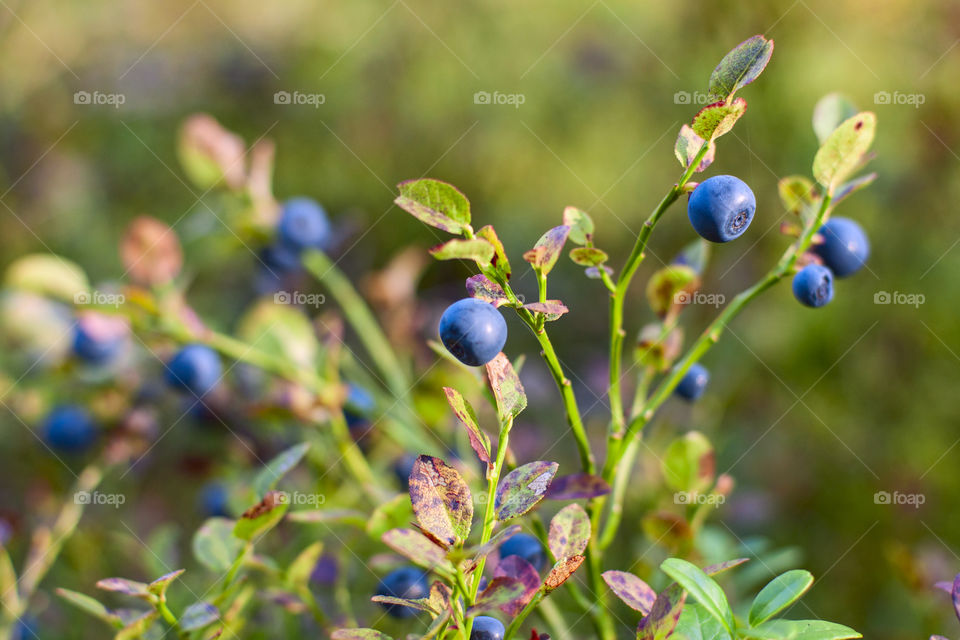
812	412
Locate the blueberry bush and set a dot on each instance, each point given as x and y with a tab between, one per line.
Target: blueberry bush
378	505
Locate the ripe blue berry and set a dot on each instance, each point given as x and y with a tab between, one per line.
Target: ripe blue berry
721	208
98	338
844	248
26	629
214	501
402	469
409	583
195	368
693	383
487	628
527	547
813	285
473	331
70	429
303	225
358	407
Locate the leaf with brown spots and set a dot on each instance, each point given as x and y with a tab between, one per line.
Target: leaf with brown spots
479	441
263	516
636	593
505	383
521	489
441	500
500	592
551	309
577	486
499	262
416	547
545	253
569	532
664	614
519	569
482	288
561	571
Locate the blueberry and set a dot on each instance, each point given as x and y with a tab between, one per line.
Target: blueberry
844	248
25	629
214	501
813	285
98	338
326	571
721	208
527	547
402	469
303	225
487	628
359	406
409	583
473	331
195	368
70	429
693	383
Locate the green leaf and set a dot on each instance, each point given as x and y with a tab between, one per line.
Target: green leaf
801	630
127	587
215	546
49	275
842	152
588	256
569	532
695	255
393	513
580	223
688	146
137	627
689	464
416	547
479	440
298	573
359	634
521	489
279	330
274	470
779	594
441	500
159	586
831	110
476	249
544	254
500	261
797	193
263	516
198	615
702	587
718	118
667	287
91	606
436	203
740	67
696	624
507	390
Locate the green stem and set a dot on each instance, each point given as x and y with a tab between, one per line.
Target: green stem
489	517
526	611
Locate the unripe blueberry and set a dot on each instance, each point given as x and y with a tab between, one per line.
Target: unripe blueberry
195	368
70	429
527	547
844	248
693	383
721	208
98	338
214	501
487	628
473	331
813	285
303	225
409	583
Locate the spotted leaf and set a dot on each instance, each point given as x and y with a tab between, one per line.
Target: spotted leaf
441	500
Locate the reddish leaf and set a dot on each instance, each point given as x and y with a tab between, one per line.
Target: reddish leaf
561	571
499	262
523	572
500	592
482	288
552	309
505	383
720	567
664	615
441	500
577	486
636	593
545	253
479	440
523	488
